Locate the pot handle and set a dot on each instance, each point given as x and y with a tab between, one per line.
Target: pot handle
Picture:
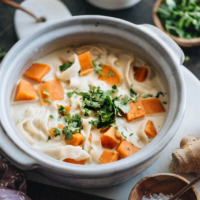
166	41
14	154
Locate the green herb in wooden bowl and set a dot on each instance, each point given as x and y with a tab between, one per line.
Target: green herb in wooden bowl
180	19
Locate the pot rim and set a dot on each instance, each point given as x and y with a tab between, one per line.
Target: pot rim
43	161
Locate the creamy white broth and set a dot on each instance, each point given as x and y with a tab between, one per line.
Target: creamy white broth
32	118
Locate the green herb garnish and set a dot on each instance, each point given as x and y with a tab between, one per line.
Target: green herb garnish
18	121
181	18
57	132
60	118
51	116
45	92
74	126
49	138
106	109
97	68
147	95
164	102
159	93
62	110
111	74
48	100
83	139
123	135
65	66
130	134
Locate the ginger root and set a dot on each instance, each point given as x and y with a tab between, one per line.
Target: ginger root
187	158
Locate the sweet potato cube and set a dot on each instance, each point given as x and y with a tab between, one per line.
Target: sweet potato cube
86	72
136	111
126	149
141	73
76	141
150	129
54	88
111	75
25	91
85	61
111	138
80	162
152	106
37	71
108	157
67	108
44	87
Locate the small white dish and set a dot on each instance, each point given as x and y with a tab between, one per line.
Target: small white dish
52	10
113	4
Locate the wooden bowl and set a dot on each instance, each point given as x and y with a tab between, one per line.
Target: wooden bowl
165	183
180	41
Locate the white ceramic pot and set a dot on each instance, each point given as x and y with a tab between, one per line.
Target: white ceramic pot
148	42
113	4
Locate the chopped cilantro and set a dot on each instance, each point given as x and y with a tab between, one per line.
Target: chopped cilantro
131	134
111	74
51	116
147	95
60	118
49	138
126	128
62	110
18	121
106	109
97	68
45	92
57	132
74	126
116	127
164	102
68	51
123	135
48	100
86	112
65	66
70	94
139	107
83	139
158	94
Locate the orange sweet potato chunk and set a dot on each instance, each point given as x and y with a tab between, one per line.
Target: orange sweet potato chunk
85	61
54	88
86	72
41	88
111	75
111	138
37	71
76	141
80	162
67	108
150	129
152	106
136	111
108	157
126	149
141	73
25	91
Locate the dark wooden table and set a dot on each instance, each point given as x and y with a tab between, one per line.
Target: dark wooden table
139	14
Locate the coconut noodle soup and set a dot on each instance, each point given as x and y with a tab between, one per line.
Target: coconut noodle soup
89	105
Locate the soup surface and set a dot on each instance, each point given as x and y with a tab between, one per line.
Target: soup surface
89	105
